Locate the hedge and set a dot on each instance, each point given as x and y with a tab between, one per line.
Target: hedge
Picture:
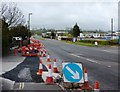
102	42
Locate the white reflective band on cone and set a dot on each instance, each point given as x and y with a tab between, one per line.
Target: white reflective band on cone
40	66
54	65
96	90
49	73
48	56
30	48
86	77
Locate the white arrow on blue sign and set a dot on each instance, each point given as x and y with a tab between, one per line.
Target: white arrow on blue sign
73	72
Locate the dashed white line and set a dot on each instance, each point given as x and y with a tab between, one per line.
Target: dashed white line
93	61
109	66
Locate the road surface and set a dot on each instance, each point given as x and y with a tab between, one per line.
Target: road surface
102	64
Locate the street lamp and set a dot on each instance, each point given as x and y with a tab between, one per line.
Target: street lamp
29	20
29	27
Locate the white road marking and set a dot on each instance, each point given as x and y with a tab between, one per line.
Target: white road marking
109	66
106	51
88	59
93	61
21	86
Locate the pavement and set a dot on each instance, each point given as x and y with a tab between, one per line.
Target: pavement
9	62
102	63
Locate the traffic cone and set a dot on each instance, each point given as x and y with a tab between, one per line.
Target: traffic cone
44	54
55	70
44	50
49	79
40	68
48	58
96	86
86	85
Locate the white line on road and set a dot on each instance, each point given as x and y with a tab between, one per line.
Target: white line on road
93	61
109	66
21	86
106	51
88	59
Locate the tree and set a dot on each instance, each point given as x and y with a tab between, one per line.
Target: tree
76	30
53	35
11	14
20	31
5	37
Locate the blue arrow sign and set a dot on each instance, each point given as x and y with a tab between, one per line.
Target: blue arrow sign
72	72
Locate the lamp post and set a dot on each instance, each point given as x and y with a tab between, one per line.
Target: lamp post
111	28
29	22
29	27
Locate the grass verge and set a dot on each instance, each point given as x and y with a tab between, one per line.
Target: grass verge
87	44
42	38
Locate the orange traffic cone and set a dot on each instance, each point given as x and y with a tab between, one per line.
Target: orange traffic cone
44	50
86	85
55	70
40	68
48	58
49	79
96	86
44	54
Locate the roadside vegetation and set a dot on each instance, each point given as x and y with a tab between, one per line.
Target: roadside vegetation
13	25
91	43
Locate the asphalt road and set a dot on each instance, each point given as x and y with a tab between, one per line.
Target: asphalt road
102	63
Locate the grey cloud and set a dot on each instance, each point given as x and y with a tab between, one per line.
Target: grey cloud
61	15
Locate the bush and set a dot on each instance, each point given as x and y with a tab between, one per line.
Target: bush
102	42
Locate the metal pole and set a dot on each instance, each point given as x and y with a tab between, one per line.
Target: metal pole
29	21
112	28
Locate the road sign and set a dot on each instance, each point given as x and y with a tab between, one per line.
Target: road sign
73	72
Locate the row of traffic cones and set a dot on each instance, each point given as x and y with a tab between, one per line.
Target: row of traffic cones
55	70
49	79
86	85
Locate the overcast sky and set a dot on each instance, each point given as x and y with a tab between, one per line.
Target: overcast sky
60	15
